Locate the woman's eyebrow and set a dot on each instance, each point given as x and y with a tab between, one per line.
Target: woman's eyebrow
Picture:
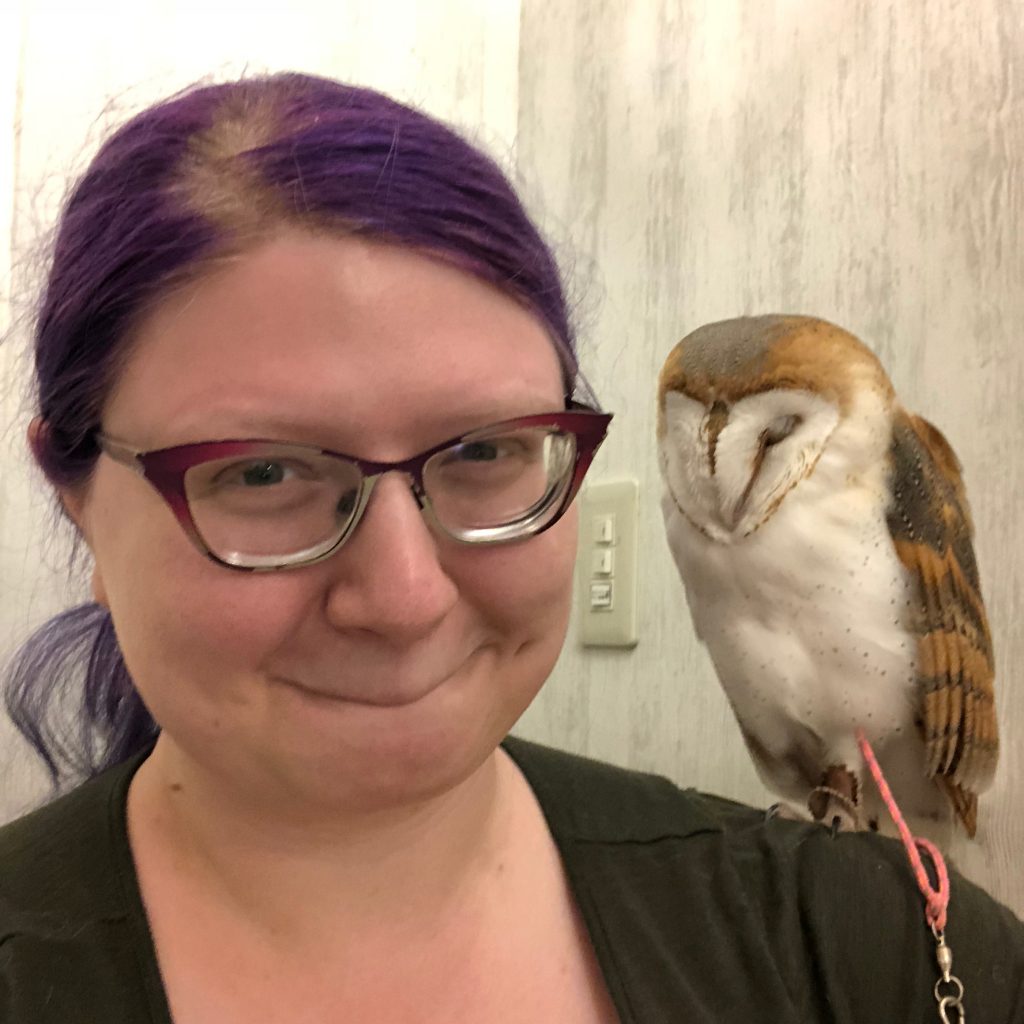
225	423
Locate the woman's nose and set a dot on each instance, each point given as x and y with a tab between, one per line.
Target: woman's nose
388	578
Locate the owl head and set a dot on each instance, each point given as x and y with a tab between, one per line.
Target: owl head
753	408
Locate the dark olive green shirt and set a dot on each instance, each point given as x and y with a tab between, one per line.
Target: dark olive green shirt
699	911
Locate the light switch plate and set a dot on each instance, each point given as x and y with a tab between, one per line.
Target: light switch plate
609	623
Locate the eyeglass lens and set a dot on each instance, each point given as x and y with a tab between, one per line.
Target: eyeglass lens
282	502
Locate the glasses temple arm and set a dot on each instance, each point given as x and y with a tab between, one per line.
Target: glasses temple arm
121	453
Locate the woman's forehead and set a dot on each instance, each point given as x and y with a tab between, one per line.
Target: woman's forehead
311	328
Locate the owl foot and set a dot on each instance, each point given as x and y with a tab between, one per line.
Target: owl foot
840	813
835	801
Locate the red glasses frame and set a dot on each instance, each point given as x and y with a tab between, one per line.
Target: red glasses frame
165	470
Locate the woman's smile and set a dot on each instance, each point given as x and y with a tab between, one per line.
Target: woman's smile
378	689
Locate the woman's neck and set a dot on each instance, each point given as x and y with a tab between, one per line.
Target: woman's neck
308	879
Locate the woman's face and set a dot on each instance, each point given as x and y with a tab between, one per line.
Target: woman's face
392	669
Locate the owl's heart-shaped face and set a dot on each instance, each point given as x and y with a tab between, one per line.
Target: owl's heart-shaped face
729	466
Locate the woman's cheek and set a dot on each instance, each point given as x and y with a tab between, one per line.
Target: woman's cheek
533	580
202	618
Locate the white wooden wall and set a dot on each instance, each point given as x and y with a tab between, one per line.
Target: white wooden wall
693	160
854	159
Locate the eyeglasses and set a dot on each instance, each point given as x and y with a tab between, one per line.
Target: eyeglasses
265	505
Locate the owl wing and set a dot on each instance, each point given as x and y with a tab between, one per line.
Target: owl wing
931	527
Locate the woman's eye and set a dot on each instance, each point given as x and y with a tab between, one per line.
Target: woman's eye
488	460
479	451
261	474
495	450
347	502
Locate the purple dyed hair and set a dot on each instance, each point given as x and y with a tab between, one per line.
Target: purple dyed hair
204	174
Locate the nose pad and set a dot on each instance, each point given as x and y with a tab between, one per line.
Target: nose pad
353	504
368	490
394	582
370	485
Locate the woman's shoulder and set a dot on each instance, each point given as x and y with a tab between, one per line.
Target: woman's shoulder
837	915
598	801
55	861
69	940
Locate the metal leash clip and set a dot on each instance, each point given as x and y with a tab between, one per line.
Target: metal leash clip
949	989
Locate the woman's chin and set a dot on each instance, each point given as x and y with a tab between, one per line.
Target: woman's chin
335	750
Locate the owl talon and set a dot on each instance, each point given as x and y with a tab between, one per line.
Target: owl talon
783	811
830	807
835	799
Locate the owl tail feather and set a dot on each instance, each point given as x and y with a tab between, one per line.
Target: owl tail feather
965	803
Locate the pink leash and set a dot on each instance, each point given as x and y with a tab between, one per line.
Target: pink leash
936	900
949	990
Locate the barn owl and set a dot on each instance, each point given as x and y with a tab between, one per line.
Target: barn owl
823	537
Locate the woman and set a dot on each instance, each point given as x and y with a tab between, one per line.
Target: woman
306	388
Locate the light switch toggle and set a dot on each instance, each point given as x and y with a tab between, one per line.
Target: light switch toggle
604	562
601	595
604	529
